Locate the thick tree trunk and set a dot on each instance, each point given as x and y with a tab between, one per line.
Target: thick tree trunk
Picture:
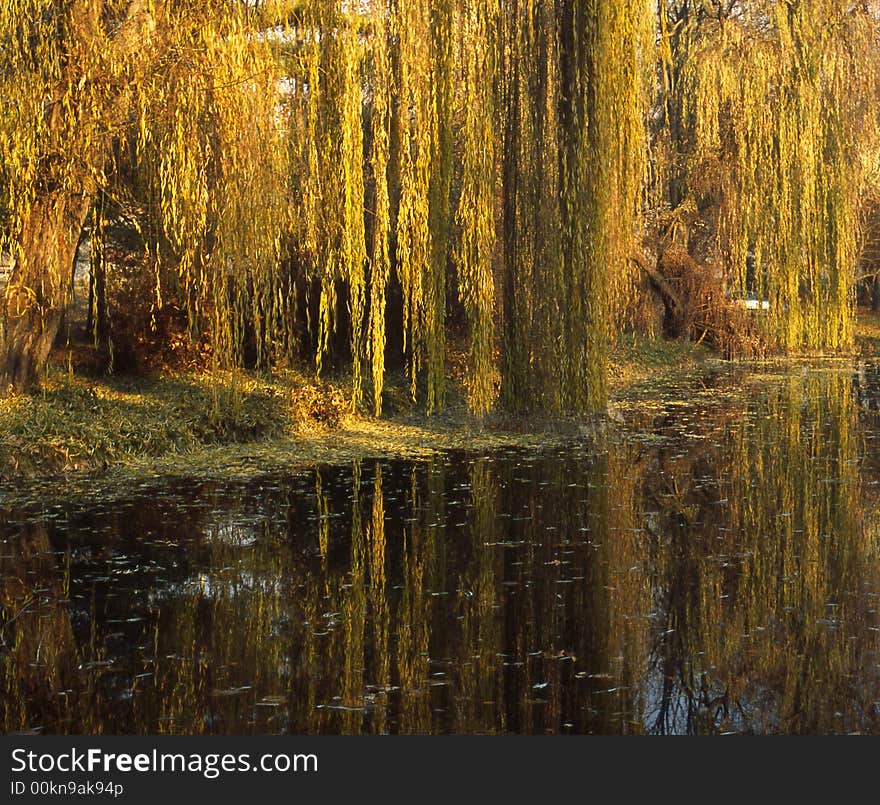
39	288
670	297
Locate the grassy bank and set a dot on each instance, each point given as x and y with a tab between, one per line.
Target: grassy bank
194	423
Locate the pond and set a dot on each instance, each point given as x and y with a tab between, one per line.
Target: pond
709	565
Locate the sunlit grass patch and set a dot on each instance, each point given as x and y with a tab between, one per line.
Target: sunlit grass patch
636	359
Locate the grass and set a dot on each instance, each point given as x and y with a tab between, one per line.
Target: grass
86	424
196	424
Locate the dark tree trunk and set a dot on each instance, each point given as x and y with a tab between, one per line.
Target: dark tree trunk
39	288
671	300
875	293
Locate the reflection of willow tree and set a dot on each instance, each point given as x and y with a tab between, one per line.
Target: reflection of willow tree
217	638
576	590
551	596
766	597
38	655
628	596
360	647
353	613
413	621
532	617
477	679
575	614
461	620
333	620
816	621
379	609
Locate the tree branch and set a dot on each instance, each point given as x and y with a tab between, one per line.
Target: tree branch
659	281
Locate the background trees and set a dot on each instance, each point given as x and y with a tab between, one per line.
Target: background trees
769	108
66	79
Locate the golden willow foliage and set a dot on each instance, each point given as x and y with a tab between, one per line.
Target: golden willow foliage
55	113
178	101
774	115
380	256
389	71
66	72
331	146
390	159
212	143
575	91
434	84
424	133
476	208
315	145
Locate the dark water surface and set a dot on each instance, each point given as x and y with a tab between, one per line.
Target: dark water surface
713	565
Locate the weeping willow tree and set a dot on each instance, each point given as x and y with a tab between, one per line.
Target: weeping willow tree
332	153
66	76
217	172
575	94
391	166
767	103
188	93
390	72
380	155
424	138
476	213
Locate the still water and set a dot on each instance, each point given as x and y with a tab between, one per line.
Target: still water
711	565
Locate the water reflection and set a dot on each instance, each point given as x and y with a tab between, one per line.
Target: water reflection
711	567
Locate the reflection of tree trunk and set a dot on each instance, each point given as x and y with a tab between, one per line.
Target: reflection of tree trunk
35	629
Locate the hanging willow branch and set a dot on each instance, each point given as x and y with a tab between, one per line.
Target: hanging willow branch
380	262
576	86
476	209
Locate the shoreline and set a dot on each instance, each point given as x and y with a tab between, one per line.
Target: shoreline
89	428
171	423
